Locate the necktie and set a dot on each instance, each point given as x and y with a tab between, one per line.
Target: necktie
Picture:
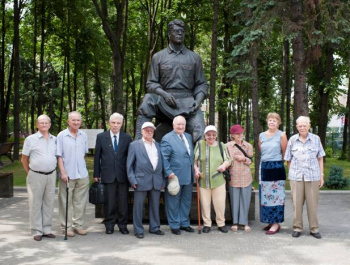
183	140
115	144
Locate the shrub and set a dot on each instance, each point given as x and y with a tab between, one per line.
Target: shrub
336	180
329	152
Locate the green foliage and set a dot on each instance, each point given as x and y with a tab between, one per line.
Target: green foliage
336	180
329	152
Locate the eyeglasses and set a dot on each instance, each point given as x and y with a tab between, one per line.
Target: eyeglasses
44	123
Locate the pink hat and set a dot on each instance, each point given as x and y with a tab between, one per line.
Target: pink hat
236	129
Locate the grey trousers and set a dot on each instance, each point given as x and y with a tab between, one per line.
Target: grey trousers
240	201
153	203
41	197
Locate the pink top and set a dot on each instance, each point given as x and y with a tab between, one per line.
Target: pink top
241	175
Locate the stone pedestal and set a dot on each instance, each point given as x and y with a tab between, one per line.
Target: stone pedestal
6	185
99	212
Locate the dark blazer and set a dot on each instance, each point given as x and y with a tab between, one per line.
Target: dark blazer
140	170
176	158
109	165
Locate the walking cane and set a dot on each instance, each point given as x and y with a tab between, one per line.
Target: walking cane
67	191
199	210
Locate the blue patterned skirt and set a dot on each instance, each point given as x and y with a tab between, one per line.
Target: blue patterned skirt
272	192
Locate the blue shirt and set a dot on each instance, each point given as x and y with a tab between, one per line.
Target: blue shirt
73	150
303	158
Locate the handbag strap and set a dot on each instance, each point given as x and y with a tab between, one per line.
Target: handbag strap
244	153
221	152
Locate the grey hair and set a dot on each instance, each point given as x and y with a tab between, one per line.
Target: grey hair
303	119
115	116
178	118
72	113
43	116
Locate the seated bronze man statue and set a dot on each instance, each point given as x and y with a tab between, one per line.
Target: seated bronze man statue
176	85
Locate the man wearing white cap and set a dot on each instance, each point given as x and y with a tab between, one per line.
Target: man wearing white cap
144	167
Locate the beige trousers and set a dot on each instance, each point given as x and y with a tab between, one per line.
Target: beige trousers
218	196
305	191
41	197
77	199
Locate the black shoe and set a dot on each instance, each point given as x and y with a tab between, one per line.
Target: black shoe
176	232
316	235
124	231
206	229
109	231
223	229
296	234
139	236
187	229
158	233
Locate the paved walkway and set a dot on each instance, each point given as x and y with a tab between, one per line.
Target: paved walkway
18	247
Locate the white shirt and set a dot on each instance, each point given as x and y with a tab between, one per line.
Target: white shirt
112	137
41	152
186	143
152	152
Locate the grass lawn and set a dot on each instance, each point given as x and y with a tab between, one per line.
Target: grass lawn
19	173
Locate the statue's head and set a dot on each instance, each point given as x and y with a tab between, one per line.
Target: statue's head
176	31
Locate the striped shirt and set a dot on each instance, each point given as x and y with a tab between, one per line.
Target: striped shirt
241	176
303	158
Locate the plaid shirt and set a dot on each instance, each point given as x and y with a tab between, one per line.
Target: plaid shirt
304	158
241	176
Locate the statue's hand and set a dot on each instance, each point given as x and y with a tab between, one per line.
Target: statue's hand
169	99
196	105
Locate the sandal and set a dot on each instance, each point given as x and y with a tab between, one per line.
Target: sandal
247	229
234	228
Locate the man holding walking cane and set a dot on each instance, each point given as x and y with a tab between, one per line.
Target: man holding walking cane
71	149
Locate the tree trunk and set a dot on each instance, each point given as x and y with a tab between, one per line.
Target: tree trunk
35	41
3	103
100	94
86	97
214	41
42	53
325	80
16	107
118	49
62	95
247	117
301	107
346	130
285	82
255	110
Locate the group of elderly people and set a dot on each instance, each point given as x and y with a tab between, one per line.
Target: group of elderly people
150	167
304	155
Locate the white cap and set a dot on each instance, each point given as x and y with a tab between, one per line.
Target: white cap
210	128
173	186
148	124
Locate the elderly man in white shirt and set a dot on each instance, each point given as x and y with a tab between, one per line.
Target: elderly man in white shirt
39	161
145	174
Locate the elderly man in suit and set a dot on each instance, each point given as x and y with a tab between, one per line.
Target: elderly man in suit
177	152
145	173
111	152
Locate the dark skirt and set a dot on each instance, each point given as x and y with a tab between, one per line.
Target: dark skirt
272	192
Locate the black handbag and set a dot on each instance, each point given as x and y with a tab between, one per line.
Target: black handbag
97	193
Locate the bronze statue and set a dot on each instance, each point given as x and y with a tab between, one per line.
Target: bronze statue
176	85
